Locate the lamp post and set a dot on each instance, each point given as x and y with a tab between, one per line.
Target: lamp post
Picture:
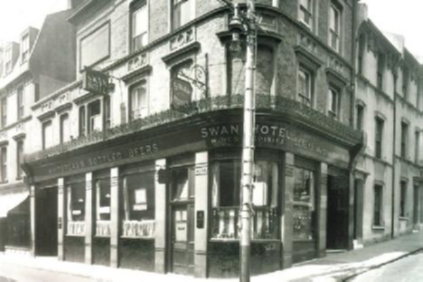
248	25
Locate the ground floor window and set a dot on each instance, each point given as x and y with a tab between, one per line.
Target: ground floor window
102	207
138	205
18	226
377	205
304	206
76	208
226	199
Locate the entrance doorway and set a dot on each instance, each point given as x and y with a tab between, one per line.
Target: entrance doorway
337	212
182	221
46	222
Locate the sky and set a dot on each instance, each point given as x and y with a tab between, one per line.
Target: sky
404	17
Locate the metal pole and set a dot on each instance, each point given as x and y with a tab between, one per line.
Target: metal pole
248	147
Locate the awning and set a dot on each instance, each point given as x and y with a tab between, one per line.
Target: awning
9	201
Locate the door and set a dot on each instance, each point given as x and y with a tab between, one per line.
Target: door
46	222
416	198
337	212
182	221
183	240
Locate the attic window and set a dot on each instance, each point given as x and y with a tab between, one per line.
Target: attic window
25	48
8	60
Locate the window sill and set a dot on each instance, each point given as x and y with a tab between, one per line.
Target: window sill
137	238
75	235
232	240
376	227
404	218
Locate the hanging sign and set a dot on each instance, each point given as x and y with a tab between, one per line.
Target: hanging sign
182	93
95	81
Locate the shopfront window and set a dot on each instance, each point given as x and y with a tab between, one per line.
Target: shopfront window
226	198
102	207
138	205
76	208
304	206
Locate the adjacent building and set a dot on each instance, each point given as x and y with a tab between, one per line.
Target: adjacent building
136	162
42	61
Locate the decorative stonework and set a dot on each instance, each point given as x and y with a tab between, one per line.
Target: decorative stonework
182	39
137	62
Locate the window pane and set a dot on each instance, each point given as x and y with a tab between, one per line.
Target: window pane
64	128
3	164
180	184
47	134
140	28
303	204
139	106
19	158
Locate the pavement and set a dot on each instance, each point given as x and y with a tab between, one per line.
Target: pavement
334	267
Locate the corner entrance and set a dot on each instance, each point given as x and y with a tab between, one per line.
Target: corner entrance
337	212
182	221
46	222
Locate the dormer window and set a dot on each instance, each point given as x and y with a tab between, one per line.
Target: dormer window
25	48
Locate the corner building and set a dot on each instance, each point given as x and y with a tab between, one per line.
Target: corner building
143	186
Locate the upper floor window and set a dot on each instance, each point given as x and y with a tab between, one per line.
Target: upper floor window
182	12
94	116
334	101
107	112
138	101
19	158
4	112
405	79
20	99
305	86
8	60
82	121
64	128
139	36
95	47
47	134
3	163
25	48
334	27
379	137
359	117
361	53
404	139
306	12
380	70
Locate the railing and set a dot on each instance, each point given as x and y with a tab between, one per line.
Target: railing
138	229
76	228
298	111
264	224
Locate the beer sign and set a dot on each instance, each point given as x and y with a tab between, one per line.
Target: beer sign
95	81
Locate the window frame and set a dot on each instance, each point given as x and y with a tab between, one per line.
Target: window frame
4	109
334	113
360	116
8	60
379	125
337	10
62	118
132	88
90	117
380	70
378	220
20	102
136	8
3	164
416	146
308	77
178	4
25	47
20	151
403	198
404	139
307	12
44	125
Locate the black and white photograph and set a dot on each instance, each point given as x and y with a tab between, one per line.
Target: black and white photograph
211	140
